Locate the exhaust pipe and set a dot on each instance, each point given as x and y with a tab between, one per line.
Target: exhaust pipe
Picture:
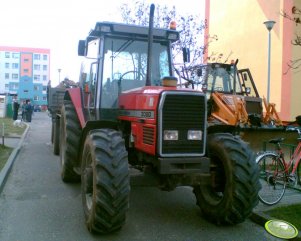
150	45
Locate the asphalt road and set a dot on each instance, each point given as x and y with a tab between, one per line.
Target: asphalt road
36	205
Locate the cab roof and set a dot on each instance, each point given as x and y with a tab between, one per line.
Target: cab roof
117	29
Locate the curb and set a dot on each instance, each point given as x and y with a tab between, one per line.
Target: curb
7	167
261	218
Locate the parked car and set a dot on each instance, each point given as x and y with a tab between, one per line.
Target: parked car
37	108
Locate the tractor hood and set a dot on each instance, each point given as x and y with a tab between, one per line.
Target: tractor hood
145	98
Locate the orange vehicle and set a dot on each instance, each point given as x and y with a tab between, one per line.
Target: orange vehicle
233	99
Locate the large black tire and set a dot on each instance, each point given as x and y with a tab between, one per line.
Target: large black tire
70	131
52	130
233	193
105	181
56	137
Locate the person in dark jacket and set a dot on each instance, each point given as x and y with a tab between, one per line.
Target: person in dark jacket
28	111
16	106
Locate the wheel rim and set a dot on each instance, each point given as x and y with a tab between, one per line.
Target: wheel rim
216	191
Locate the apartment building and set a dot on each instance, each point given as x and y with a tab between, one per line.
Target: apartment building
25	72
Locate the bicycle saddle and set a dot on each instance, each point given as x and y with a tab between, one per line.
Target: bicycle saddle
276	141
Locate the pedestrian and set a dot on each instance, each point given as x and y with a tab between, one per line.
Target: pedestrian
23	118
28	110
16	106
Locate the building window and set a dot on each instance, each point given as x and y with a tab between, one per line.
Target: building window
6	86
36	57
25	70
44	88
36	87
15	86
15	55
15	76
36	97
7	65
15	65
44	67
7	54
36	67
44	98
44	77
36	77
26	60
45	57
6	75
25	91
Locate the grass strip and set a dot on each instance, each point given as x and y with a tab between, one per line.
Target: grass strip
291	214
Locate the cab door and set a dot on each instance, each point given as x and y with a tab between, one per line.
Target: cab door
90	90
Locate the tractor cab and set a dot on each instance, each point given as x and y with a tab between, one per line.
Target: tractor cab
223	78
116	61
232	94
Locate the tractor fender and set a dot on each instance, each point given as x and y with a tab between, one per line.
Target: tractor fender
74	94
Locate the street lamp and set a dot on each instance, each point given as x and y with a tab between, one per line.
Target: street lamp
59	70
269	25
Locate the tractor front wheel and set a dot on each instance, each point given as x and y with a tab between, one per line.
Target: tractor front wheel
233	191
105	181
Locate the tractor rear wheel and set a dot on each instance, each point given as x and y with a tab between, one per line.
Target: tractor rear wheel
69	140
105	181
52	130
233	191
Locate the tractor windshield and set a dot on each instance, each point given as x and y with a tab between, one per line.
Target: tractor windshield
125	65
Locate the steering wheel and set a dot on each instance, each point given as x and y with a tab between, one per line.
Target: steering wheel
128	72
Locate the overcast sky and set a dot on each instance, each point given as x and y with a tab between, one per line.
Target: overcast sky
58	25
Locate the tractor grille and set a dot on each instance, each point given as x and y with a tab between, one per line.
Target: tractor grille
148	135
182	111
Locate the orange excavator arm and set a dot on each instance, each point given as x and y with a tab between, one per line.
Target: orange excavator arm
229	109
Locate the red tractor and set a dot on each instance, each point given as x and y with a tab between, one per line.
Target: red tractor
128	113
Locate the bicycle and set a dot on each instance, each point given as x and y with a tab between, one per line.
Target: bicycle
276	173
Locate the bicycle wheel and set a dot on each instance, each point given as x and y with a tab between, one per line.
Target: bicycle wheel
272	178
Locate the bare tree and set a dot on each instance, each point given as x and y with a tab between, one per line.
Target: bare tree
191	28
295	17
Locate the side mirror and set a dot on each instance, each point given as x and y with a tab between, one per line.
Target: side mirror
81	50
186	55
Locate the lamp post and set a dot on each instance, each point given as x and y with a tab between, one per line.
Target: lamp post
59	70
269	25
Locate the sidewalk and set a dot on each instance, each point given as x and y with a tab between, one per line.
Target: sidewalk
15	142
12	141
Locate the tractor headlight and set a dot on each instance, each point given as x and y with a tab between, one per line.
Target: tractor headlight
170	135
194	135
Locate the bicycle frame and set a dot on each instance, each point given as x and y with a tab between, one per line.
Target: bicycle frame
276	173
294	160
